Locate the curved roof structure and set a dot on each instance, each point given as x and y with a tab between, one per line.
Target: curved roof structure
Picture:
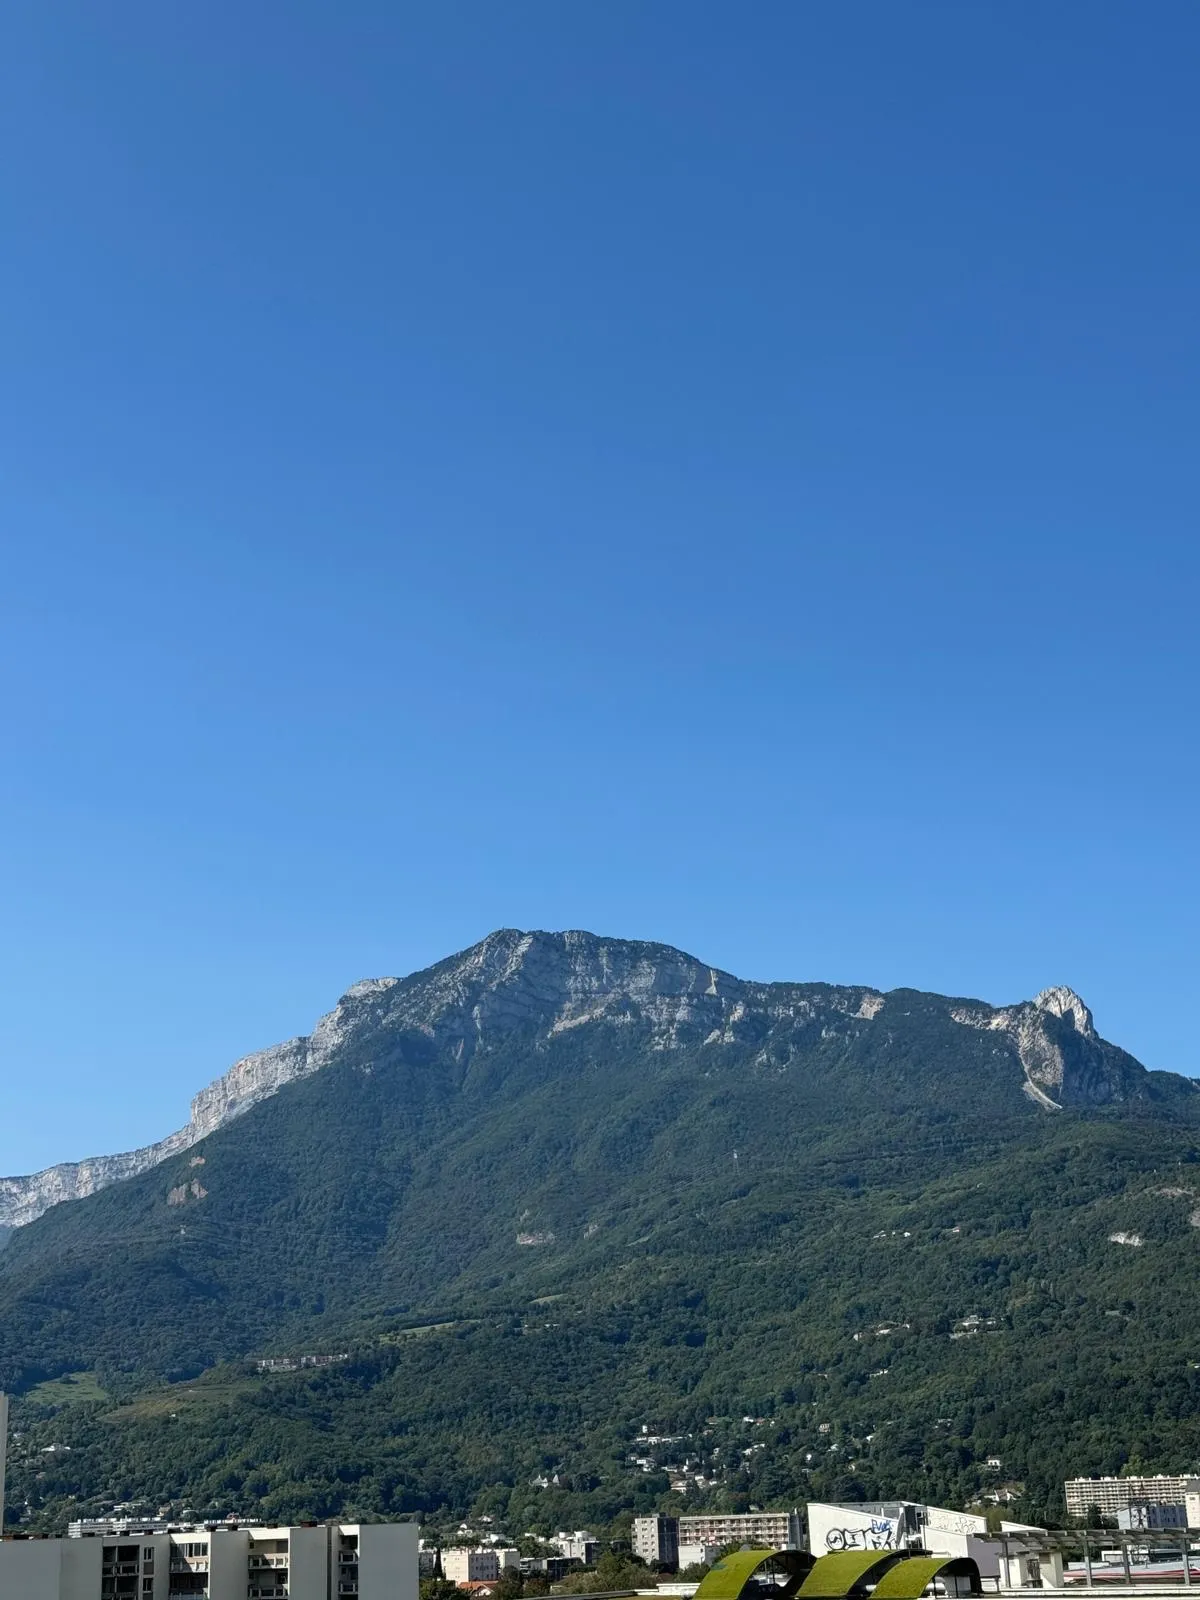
842	1575
909	1579
847	1572
730	1575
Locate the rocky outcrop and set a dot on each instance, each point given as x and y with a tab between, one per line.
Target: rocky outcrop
248	1081
1064	1059
551	983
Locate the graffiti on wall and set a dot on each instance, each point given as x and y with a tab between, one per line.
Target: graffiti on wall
879	1534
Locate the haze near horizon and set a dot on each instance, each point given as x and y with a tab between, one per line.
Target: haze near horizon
722	478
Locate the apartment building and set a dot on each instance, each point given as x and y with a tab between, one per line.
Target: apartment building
340	1561
656	1541
578	1546
553	1568
774	1530
462	1565
1154	1519
698	1555
1111	1495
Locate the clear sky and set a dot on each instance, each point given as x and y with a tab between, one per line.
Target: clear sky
717	473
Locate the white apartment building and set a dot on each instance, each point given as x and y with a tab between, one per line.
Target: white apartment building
656	1540
462	1565
579	1546
339	1561
1118	1494
774	1530
697	1555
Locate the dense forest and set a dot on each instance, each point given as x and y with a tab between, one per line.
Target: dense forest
843	1258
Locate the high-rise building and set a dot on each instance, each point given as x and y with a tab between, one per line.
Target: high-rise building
1111	1495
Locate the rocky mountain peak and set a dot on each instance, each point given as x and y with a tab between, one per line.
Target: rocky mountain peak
1065	1060
1065	1003
547	983
556	980
509	979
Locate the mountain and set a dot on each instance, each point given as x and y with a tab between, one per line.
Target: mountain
558	1187
564	980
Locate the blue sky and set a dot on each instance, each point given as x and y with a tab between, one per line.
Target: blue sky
701	472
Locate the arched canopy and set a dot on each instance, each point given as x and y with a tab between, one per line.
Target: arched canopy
847	1572
729	1576
909	1579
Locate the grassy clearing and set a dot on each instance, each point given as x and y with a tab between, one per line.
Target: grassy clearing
220	1387
71	1389
403	1335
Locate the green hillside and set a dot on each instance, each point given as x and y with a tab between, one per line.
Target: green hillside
519	1217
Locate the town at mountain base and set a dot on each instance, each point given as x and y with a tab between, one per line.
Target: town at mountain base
461	1246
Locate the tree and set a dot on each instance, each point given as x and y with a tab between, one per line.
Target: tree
439	1589
612	1571
1096	1519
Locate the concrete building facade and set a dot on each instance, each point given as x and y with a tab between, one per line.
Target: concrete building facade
463	1565
579	1546
340	1561
1111	1495
697	1555
552	1568
656	1541
778	1530
1141	1518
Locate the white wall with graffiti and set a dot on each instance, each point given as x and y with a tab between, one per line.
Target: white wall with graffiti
900	1525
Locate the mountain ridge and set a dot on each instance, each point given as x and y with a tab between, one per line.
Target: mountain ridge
513	976
559	1186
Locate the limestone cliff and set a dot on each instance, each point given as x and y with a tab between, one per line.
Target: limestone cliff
548	983
1064	1059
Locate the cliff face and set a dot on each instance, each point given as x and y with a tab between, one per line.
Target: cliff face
549	983
1066	1062
247	1082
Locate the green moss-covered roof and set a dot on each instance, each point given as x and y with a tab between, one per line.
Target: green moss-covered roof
909	1579
836	1575
730	1575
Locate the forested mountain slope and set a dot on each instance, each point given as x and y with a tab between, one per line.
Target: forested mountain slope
561	1186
